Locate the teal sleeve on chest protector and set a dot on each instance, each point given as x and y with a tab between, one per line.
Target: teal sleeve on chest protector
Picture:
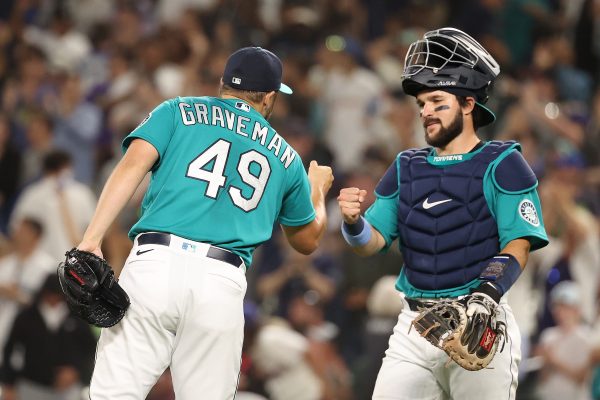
517	215
383	216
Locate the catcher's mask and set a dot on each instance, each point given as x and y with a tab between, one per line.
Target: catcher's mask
450	60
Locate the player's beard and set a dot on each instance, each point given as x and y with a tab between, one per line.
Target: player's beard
445	134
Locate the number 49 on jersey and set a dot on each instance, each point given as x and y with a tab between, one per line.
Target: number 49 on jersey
215	178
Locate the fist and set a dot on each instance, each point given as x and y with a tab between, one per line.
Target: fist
320	176
350	200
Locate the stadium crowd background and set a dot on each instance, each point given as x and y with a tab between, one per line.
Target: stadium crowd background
76	76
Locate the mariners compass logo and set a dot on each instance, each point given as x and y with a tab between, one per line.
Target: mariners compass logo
528	212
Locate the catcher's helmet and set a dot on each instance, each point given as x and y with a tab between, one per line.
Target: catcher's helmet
448	59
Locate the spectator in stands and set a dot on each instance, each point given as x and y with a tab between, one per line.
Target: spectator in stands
279	281
62	205
77	127
281	354
22	273
573	252
566	348
49	354
306	315
39	134
10	165
351	95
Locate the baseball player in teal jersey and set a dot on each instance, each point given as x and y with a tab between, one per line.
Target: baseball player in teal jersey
466	214
220	178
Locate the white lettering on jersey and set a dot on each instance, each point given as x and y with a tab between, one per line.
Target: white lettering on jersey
201	113
275	144
236	124
230	117
241	125
260	132
187	116
217	116
288	156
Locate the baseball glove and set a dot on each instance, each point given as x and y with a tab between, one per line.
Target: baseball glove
467	330
91	289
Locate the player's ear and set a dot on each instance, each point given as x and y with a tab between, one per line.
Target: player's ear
270	95
469	105
270	98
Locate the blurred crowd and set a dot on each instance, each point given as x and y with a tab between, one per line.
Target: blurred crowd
76	76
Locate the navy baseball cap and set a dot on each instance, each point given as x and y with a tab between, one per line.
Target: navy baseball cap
255	69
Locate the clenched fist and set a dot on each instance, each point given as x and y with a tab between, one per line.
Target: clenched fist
320	177
349	201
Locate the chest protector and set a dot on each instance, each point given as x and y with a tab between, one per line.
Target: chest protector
445	226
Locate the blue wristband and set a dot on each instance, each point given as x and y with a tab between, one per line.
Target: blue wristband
503	271
355	235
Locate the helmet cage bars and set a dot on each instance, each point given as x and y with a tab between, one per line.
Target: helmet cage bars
448	48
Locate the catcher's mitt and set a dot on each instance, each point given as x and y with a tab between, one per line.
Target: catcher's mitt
91	289
470	341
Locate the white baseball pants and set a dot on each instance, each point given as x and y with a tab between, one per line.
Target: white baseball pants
414	369
187	313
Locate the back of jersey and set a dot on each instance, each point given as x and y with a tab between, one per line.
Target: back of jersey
224	176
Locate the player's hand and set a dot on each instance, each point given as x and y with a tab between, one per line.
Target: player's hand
350	200
320	176
92	248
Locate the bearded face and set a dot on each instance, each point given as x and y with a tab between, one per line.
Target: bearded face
442	117
439	135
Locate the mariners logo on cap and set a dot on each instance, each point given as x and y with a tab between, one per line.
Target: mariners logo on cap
528	212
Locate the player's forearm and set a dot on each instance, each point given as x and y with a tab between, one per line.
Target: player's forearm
362	237
373	246
118	190
504	269
305	239
519	249
320	221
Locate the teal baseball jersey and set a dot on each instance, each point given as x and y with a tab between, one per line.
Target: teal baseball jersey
517	214
223	177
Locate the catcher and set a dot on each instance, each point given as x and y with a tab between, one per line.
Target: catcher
466	214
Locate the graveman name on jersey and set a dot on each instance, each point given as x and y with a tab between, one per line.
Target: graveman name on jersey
238	124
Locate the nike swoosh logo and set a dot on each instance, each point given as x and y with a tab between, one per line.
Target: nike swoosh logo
427	205
140	252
